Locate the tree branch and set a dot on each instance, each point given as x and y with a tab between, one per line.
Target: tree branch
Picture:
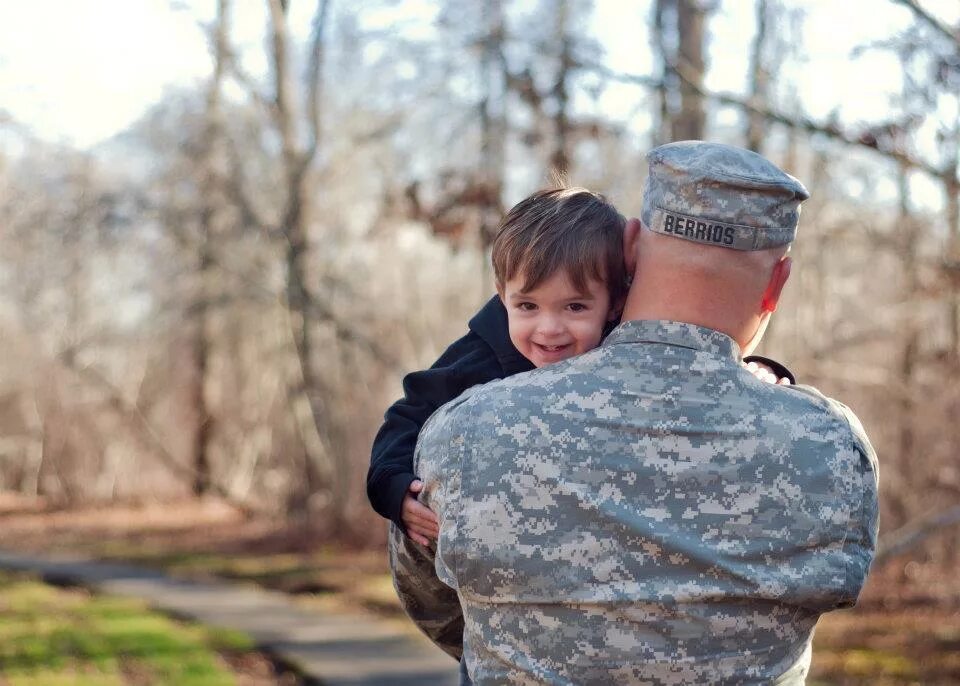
236	187
284	105
142	426
930	20
914	533
832	131
348	334
325	315
232	66
315	74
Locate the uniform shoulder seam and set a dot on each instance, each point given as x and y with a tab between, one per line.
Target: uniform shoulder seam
843	415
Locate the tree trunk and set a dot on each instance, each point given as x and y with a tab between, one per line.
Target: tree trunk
212	216
662	128
689	124
911	345
200	344
319	468
560	158
759	81
951	189
493	134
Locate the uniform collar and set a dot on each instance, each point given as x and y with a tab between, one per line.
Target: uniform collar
679	334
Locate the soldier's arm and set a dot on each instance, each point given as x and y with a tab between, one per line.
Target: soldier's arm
857	482
861	544
431	604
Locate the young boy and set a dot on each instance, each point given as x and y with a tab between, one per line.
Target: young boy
561	284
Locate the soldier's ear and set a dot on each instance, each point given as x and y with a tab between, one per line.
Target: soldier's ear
778	279
631	241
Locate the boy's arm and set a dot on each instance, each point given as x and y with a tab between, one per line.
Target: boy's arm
779	370
467	362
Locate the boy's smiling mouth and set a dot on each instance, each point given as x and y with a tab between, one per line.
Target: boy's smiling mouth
551	351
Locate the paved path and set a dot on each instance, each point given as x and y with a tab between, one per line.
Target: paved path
327	649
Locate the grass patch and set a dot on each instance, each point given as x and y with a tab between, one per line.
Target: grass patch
51	636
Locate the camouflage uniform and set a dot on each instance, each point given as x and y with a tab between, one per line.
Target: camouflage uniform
646	513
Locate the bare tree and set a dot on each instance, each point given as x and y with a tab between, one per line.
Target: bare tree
493	80
297	158
760	75
689	123
560	157
212	216
679	38
667	77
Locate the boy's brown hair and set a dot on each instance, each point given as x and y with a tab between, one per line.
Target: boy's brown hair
572	229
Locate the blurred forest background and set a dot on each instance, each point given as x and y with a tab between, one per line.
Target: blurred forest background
221	299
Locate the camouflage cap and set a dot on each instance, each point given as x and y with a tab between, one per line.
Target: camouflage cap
720	195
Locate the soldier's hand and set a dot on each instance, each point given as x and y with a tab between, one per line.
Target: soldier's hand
765	373
419	520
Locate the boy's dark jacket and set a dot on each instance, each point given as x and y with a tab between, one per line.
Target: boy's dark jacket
483	355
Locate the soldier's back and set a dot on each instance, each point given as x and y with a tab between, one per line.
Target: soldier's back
651	513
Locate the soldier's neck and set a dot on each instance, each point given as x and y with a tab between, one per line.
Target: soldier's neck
686	302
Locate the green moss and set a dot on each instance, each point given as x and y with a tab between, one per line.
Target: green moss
48	677
54	637
225	640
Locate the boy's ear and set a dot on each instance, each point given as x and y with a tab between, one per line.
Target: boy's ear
631	240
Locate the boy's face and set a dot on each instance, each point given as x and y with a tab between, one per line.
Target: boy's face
555	321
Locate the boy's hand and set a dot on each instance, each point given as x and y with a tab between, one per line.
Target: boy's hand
418	519
765	373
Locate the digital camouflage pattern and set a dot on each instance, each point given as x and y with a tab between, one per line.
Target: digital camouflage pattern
720	195
648	512
431	604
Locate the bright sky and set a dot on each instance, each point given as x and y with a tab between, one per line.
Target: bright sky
78	71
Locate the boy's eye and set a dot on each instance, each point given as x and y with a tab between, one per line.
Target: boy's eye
577	307
526	306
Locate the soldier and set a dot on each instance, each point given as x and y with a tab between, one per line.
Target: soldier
650	512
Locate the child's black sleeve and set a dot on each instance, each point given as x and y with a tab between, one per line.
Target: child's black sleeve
780	370
467	362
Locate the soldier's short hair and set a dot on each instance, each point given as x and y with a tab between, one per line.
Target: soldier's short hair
570	229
